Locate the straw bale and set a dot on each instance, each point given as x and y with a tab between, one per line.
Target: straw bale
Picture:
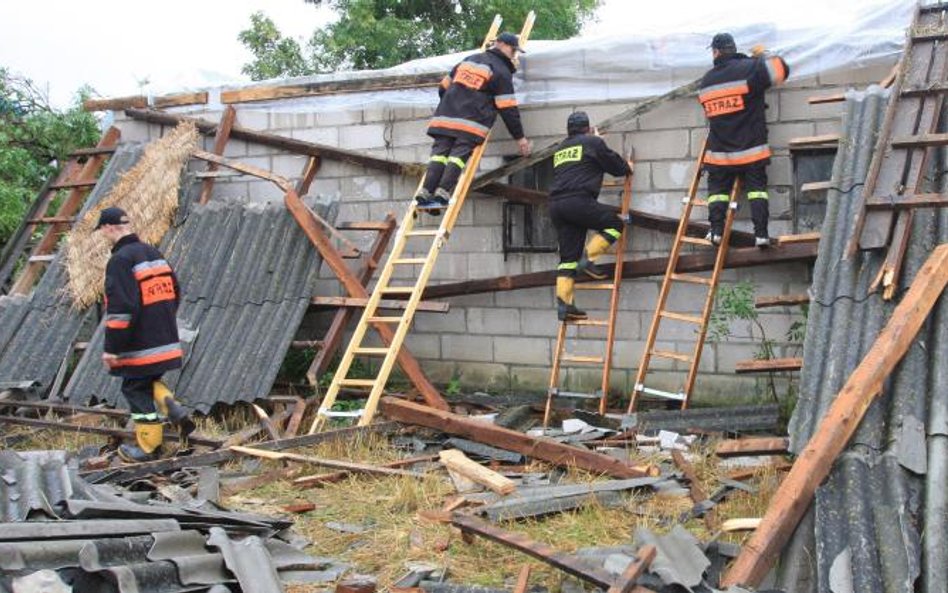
148	192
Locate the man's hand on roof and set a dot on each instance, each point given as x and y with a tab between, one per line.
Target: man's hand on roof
758	50
524	145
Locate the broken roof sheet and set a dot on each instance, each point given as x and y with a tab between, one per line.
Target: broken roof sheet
247	275
889	487
37	331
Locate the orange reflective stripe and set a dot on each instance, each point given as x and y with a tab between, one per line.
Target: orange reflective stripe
150	359
780	73
717	93
456	125
505	103
741	158
149	272
117	324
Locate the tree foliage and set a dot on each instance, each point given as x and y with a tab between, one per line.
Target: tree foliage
371	34
34	139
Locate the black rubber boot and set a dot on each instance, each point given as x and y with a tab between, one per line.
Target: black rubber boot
592	270
568	311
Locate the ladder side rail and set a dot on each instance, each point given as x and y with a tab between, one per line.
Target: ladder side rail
614	298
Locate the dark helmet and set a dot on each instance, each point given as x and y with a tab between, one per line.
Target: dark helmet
724	43
577	123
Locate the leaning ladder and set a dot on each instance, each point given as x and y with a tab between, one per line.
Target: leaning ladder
385	289
560	355
672	276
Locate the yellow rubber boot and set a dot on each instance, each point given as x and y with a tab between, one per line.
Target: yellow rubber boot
596	247
148	439
565	309
169	407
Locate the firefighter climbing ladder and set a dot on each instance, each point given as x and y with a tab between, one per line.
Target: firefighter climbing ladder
672	276
560	355
385	289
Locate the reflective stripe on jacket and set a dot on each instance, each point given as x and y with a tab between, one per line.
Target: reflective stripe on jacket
732	95
473	94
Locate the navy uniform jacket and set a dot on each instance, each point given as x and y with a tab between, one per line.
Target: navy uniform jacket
472	95
732	94
579	163
141	303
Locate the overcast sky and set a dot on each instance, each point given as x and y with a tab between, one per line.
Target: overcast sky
178	45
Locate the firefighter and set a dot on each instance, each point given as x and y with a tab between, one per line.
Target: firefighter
578	166
732	94
141	334
471	96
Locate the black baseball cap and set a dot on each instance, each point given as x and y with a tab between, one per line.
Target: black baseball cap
112	215
723	42
510	39
577	122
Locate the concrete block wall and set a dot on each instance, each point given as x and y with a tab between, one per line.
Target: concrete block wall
503	340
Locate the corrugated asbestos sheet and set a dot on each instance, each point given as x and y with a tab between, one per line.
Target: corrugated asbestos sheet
247	275
879	522
37	331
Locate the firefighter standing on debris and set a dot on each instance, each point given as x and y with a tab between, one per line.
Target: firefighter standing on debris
732	94
141	334
471	96
578	166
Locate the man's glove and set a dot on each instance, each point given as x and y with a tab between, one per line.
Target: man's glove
758	50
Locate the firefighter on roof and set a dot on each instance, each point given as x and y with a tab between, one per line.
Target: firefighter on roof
472	95
732	94
141	334
578	166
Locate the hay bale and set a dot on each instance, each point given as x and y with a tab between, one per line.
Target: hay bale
148	192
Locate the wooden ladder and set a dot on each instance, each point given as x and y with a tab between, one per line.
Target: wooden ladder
79	175
673	276
384	288
560	355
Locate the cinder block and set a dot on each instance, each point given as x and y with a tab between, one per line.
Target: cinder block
362	137
135	131
662	144
494	321
539	322
540	262
780	134
484	299
697	137
369	188
424	346
477	239
829	126
482	376
532	298
290	120
681	113
325	187
409	133
451	322
672	175
529	378
233	149
352	211
451	266
629	324
339	117
794	107
520	350
288	165
730	353
780	171
255	119
465	347
321	135
545	121
488	210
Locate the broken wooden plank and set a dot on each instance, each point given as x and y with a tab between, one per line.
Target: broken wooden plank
359	303
752	446
819	141
346	465
906	202
523	579
920	141
740	524
266	423
482	432
697	493
794	495
773	365
115	103
815	186
296	417
180	100
315	89
813	237
221	136
697	262
542	552
458	462
784	300
252	432
636	568
315	480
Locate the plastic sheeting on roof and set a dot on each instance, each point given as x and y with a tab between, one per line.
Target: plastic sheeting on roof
631	66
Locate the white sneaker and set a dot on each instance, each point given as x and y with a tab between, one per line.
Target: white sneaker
762	242
715	239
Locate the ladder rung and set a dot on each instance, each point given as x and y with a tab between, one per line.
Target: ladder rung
595	286
574	394
582	359
398	289
695	240
691	279
41	259
409	261
342	413
682	317
422	233
371	351
671	355
588	322
384	319
357	383
660	393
